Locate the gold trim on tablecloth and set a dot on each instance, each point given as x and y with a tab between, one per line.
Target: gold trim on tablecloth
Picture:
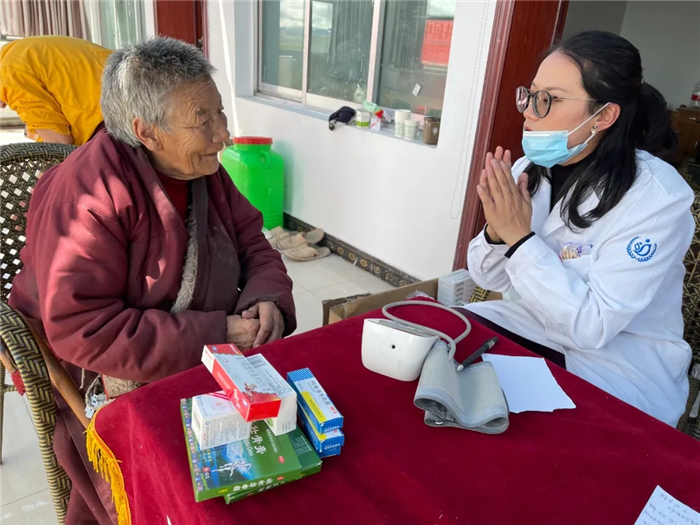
102	458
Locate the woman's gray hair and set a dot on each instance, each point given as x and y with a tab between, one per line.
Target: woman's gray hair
137	81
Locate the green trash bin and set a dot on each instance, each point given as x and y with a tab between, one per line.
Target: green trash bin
258	173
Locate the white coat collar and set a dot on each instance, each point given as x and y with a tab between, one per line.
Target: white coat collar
544	223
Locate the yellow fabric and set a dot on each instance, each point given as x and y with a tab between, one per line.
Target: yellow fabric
102	458
54	83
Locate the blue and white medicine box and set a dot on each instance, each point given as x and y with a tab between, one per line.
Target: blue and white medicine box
311	396
332	451
321	442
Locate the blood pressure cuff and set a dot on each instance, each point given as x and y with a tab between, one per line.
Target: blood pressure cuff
471	399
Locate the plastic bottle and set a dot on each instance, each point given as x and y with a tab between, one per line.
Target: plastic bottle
695	97
258	173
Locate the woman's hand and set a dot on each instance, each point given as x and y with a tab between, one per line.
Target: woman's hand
507	205
505	157
241	332
271	322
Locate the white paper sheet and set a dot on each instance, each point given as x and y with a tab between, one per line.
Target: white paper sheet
664	509
528	384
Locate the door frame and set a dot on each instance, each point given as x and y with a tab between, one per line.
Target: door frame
185	20
514	55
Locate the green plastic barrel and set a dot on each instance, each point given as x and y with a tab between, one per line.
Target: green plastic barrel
258	173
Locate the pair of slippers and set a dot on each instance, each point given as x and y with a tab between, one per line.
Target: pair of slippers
299	246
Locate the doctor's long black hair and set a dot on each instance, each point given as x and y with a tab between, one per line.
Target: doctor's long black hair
611	70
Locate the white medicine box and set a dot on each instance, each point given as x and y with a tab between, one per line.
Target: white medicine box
216	422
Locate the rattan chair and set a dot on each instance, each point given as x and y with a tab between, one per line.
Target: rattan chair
26	356
21	165
691	318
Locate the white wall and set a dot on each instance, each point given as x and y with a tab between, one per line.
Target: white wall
397	201
584	15
667	34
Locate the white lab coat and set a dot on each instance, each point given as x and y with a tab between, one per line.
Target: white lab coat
616	312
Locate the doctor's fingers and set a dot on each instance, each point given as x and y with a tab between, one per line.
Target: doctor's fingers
486	200
522	186
501	154
484	184
504	179
496	155
489	158
484	179
494	187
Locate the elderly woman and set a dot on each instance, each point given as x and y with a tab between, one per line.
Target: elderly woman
140	250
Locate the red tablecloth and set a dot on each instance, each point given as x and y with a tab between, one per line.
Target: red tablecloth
597	464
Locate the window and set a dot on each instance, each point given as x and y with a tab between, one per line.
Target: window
326	53
116	23
282	46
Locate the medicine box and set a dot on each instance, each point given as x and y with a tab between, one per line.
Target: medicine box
252	396
286	420
311	396
216	422
321	442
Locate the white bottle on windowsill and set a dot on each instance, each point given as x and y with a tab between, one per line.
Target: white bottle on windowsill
695	97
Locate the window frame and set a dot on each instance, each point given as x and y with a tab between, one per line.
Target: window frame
94	14
319	102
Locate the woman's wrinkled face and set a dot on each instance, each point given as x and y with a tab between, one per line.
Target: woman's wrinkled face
196	132
559	76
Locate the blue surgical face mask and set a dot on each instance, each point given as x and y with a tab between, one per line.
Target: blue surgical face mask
548	148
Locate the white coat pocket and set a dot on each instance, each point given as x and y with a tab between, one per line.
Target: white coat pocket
581	265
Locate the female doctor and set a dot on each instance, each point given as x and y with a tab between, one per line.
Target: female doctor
586	234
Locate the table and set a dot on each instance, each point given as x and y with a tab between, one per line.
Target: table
597	464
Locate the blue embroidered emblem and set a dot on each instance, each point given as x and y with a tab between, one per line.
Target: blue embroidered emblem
641	251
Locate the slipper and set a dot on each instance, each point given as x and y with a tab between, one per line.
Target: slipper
276	235
307	253
314	236
277	231
290	242
287	241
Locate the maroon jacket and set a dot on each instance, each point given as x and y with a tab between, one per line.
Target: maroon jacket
104	258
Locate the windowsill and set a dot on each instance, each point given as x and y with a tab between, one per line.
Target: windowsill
387	130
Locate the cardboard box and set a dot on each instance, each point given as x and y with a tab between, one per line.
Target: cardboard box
357	305
286	420
216	422
335	310
252	396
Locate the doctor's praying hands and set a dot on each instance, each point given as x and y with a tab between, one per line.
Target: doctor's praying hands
507	205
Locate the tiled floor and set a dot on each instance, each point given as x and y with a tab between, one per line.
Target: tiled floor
24	495
329	278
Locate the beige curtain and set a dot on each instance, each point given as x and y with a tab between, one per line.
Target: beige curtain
22	18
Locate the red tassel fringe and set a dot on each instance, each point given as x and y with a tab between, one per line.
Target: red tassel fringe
19	384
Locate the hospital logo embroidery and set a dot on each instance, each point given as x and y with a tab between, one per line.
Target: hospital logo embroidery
640	250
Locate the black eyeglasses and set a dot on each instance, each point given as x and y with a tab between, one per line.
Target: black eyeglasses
541	101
